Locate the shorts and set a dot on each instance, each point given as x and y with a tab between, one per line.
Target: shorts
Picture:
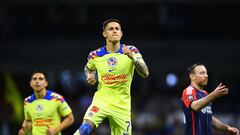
119	119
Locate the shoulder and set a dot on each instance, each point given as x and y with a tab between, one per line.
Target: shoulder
189	94
132	48
51	95
189	90
29	99
97	53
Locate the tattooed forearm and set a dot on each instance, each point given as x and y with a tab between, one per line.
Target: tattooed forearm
141	68
89	71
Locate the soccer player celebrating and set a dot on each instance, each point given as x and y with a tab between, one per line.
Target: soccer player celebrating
114	65
43	110
196	104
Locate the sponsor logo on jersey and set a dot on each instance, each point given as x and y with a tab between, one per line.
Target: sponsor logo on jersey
114	79
95	109
42	122
207	109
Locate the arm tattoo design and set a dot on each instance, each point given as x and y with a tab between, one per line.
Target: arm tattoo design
141	68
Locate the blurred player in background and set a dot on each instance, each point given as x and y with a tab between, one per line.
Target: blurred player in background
114	65
196	104
43	110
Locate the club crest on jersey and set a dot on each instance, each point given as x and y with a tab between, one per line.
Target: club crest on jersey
190	97
39	108
112	62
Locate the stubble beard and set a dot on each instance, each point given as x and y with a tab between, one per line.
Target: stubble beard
114	42
38	90
203	84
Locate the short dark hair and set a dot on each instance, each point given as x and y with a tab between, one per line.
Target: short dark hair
39	71
192	67
105	23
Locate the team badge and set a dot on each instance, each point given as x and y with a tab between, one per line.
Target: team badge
112	62
190	97
39	108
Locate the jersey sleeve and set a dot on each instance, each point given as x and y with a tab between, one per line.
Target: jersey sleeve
136	53
26	111
64	108
90	64
188	96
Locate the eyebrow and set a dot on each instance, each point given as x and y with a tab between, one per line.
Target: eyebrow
114	26
37	77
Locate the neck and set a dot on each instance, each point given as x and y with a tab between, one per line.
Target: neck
112	47
197	86
40	94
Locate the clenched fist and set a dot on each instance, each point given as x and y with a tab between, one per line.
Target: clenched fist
127	52
91	79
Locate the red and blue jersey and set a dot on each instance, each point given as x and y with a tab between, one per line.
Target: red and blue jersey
196	123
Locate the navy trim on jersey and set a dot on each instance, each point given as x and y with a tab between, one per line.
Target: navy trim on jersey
103	51
47	97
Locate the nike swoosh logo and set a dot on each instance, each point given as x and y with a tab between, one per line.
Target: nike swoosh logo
110	70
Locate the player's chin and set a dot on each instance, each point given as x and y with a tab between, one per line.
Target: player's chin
115	40
204	82
37	89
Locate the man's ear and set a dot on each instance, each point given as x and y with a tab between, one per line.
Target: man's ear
191	76
46	84
30	83
104	34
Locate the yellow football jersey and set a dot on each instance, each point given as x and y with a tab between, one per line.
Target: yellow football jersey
45	112
115	73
